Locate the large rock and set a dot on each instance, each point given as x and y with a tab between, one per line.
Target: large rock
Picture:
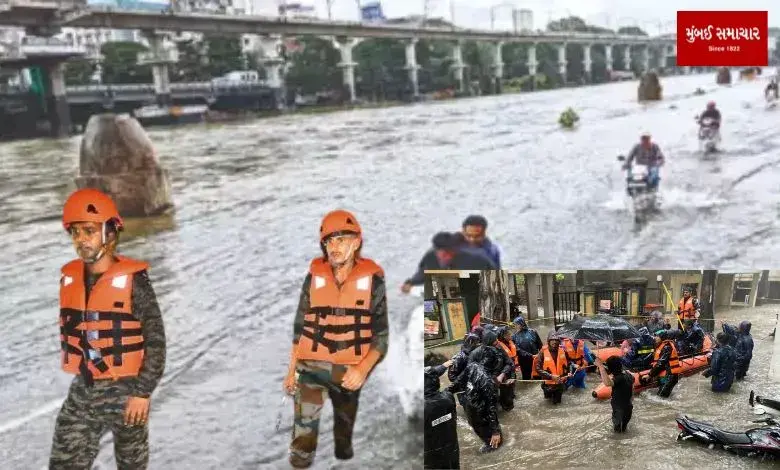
724	76
118	158
649	87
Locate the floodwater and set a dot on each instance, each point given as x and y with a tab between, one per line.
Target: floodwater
578	432
228	266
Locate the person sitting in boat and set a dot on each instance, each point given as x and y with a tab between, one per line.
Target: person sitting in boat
657	322
722	365
692	340
640	355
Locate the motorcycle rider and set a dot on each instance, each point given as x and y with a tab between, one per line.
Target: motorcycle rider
772	86
722	365
712	113
646	153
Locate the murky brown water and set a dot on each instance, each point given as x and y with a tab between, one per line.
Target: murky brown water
578	432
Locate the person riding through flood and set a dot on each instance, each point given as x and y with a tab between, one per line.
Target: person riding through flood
441	422
666	364
551	365
446	253
711	112
771	90
649	154
743	346
481	392
721	365
528	343
579	357
640	355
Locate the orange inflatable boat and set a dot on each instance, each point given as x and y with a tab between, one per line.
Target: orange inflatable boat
690	366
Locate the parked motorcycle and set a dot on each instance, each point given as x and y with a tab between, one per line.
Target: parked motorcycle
761	441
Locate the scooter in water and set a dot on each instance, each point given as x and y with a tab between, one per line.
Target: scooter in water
643	195
709	136
411	387
762	442
762	405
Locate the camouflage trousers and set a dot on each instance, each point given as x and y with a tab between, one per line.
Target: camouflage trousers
317	380
88	412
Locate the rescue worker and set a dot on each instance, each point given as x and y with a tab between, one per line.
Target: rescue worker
666	364
722	365
461	359
340	334
502	367
441	422
743	346
446	253
640	355
622	384
551	365
481	393
692	340
112	339
507	389
657	322
527	345
646	153
686	308
579	358
711	113
474	234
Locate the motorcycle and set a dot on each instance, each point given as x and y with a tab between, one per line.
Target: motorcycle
411	389
709	135
771	100
638	187
762	441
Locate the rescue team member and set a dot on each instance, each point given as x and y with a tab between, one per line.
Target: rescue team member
579	357
742	342
506	390
686	308
340	334
528	343
112	339
622	384
551	365
441	422
722	365
666	364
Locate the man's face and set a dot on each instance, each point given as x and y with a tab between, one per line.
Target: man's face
553	343
645	142
444	256
341	248
87	239
686	294
474	234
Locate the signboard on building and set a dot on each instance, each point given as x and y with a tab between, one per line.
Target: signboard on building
372	12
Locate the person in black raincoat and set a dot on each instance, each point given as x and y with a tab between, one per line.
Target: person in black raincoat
441	422
506	389
502	368
722	365
461	360
481	392
692	340
528	344
742	342
640	356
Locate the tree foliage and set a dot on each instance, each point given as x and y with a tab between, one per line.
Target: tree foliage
120	63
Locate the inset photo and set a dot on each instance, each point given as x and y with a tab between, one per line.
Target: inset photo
592	368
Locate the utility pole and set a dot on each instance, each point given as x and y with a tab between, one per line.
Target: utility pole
707	299
329	4
359	11
452	13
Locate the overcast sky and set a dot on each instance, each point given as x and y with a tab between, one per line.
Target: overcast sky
476	13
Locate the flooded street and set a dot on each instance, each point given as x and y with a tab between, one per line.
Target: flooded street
228	265
578	432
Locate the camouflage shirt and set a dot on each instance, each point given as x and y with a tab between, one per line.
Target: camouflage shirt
147	311
378	308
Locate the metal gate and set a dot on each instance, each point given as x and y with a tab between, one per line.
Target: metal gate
565	306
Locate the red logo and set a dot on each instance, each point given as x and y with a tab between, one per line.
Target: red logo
722	38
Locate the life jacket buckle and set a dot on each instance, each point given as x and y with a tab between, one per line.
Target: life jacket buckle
91	315
92	335
94	355
340	311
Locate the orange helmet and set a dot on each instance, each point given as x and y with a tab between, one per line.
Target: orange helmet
338	221
90	205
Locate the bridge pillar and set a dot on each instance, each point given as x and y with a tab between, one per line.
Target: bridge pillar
160	58
347	65
646	58
274	66
532	64
57	101
562	62
412	67
457	66
498	67
587	63
627	58
610	61
663	58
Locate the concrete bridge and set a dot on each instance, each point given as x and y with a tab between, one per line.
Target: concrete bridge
45	17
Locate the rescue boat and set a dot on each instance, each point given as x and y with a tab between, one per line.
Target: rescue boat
689	365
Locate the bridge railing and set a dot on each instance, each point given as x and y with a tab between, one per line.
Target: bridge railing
149	88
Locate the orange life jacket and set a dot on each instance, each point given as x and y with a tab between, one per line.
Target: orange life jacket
575	356
337	327
556	367
674	358
510	349
100	338
686	308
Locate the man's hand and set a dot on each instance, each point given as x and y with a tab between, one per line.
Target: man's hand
136	411
495	440
447	364
598	361
406	288
354	378
289	383
500	378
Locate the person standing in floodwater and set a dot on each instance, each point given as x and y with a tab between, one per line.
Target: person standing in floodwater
340	334
112	338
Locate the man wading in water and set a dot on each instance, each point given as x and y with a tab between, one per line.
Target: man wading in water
340	334
112	339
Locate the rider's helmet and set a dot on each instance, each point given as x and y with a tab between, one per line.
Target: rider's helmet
711	105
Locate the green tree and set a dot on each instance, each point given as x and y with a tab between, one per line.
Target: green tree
224	55
79	72
313	67
192	64
120	63
632	31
